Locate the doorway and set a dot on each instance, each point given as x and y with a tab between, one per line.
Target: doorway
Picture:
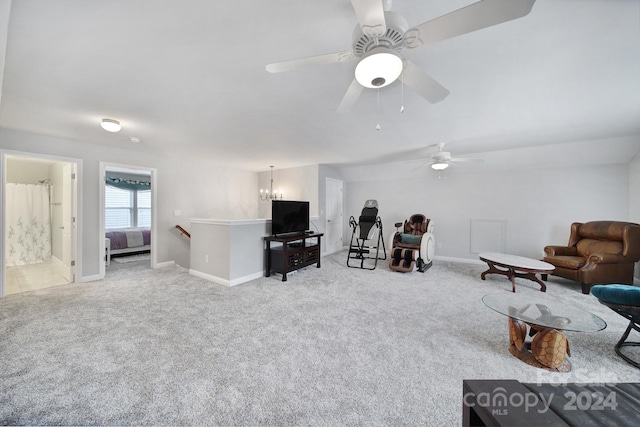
39	222
334	215
127	217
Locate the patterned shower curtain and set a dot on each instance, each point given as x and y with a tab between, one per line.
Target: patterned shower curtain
28	229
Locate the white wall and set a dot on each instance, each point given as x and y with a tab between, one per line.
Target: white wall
228	252
634	196
26	171
538	204
197	187
295	183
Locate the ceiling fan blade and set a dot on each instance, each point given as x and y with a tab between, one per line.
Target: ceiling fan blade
476	16
464	159
370	14
417	80
294	64
350	98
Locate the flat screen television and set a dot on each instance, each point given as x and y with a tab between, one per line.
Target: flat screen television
289	216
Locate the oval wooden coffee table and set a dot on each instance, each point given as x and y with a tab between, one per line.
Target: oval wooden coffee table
514	266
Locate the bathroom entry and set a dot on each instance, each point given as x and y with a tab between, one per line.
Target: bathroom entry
39	223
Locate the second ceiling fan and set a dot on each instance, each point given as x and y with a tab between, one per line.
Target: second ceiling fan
382	35
441	159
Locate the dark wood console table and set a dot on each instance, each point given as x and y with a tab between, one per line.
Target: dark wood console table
294	253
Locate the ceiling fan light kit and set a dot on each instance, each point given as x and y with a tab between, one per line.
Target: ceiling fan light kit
378	68
381	36
440	160
439	166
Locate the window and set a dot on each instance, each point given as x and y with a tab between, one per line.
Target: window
143	208
127	208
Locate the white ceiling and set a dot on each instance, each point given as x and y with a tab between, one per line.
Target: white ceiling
190	75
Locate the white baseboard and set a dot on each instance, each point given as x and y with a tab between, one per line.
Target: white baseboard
165	264
464	260
247	278
225	282
209	277
85	279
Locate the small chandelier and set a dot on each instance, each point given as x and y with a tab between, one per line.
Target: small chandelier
270	193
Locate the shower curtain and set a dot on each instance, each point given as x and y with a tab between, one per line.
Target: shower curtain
28	229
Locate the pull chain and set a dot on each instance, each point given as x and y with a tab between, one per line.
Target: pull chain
378	125
402	92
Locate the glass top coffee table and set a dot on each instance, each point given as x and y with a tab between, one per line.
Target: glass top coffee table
545	319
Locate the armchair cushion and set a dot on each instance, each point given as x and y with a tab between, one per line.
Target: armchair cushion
572	262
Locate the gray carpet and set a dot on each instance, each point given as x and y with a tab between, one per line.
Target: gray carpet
332	346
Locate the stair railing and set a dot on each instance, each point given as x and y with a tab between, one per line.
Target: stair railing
183	231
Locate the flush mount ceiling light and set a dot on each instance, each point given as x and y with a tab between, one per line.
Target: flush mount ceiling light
440	166
378	68
110	125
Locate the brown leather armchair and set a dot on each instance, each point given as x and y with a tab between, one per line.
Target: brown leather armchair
599	252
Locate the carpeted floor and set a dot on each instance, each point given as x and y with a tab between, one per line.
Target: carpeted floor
332	346
125	259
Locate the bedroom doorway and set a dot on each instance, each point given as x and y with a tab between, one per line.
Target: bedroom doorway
39	222
127	206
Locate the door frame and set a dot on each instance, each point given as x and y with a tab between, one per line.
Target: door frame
76	238
327	201
154	209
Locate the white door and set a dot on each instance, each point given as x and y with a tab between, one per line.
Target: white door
333	232
67	222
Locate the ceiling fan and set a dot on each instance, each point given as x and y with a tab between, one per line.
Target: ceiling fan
441	160
382	35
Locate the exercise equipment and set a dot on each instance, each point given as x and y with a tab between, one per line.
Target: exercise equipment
366	238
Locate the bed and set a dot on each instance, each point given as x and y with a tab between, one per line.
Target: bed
127	240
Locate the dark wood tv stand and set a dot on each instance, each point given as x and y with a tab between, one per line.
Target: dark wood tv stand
294	253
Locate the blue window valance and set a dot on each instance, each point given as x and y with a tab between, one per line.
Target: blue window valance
129	184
